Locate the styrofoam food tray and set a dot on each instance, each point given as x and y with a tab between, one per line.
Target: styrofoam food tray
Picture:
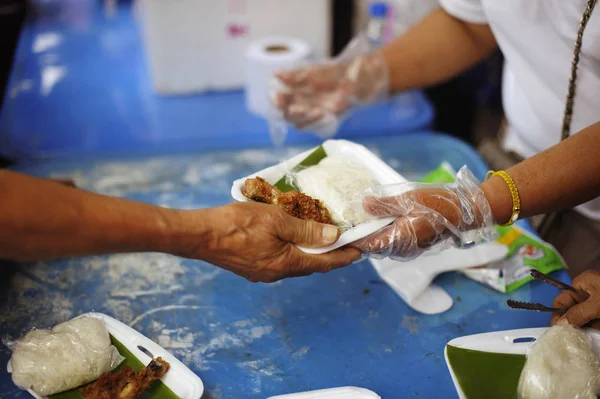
355	153
333	393
180	379
504	342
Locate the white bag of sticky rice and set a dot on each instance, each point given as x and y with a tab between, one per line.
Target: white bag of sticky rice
69	355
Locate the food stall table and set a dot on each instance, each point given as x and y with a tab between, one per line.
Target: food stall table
344	328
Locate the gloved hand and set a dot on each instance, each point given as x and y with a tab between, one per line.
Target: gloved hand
430	217
320	97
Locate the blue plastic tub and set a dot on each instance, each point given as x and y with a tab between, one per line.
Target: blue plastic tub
80	86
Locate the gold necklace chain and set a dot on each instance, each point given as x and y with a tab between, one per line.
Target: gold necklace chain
566	126
546	223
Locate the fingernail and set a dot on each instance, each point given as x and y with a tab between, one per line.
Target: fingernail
330	233
562	321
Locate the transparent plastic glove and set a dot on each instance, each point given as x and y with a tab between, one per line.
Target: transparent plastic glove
320	97
430	217
561	364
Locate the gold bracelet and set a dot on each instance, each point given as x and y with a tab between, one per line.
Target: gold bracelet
514	193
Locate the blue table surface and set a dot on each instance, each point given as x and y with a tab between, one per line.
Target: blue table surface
80	85
256	340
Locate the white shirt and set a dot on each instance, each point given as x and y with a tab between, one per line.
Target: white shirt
537	38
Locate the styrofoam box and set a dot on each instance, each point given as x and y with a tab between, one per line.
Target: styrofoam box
355	153
333	393
516	342
180	379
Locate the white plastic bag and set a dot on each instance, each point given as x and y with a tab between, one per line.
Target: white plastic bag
65	357
561	365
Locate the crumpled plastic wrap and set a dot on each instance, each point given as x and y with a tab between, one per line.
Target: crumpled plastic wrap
69	355
430	218
340	184
320	97
560	365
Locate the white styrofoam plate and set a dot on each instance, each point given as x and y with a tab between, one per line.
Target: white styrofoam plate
180	379
516	342
355	153
333	393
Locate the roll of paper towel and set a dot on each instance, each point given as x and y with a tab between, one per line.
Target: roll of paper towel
264	58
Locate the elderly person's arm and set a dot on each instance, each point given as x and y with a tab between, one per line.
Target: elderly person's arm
42	219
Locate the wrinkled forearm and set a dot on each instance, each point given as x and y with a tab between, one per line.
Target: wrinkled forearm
41	219
435	50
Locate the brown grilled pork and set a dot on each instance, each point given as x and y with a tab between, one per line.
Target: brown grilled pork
293	203
126	384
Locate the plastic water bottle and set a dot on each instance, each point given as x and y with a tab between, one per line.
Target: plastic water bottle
403	104
376	26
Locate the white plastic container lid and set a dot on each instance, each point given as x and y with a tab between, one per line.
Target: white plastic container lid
515	342
333	393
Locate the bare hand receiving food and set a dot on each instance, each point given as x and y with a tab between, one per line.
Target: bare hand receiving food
258	242
582	312
428	215
319	97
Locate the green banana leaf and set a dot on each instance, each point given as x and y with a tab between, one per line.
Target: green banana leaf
156	390
313	159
